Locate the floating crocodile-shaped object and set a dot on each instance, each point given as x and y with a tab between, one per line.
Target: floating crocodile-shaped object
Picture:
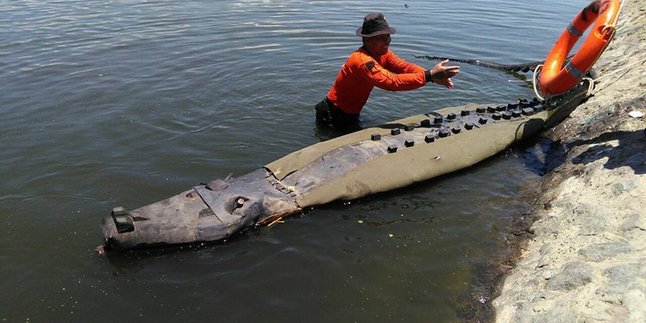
368	161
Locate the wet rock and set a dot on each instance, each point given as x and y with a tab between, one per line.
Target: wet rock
602	251
574	274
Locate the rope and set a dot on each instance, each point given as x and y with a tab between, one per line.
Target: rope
534	83
620	70
623	69
524	67
621	6
590	85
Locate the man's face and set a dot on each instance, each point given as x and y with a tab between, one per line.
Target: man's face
377	45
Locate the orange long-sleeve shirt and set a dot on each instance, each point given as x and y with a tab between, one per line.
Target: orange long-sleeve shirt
362	72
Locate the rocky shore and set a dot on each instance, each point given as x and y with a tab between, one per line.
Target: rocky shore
585	260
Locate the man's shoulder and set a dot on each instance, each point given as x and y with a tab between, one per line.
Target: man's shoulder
359	56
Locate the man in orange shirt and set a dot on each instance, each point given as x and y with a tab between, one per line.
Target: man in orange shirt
374	65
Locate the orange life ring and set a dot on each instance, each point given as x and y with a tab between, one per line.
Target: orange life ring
555	78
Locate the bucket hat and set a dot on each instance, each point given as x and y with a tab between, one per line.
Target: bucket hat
374	24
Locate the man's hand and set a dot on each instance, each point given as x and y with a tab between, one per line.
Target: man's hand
442	74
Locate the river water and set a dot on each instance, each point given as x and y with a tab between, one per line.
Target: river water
106	103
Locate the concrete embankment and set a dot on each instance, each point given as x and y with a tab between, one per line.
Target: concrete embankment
586	258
